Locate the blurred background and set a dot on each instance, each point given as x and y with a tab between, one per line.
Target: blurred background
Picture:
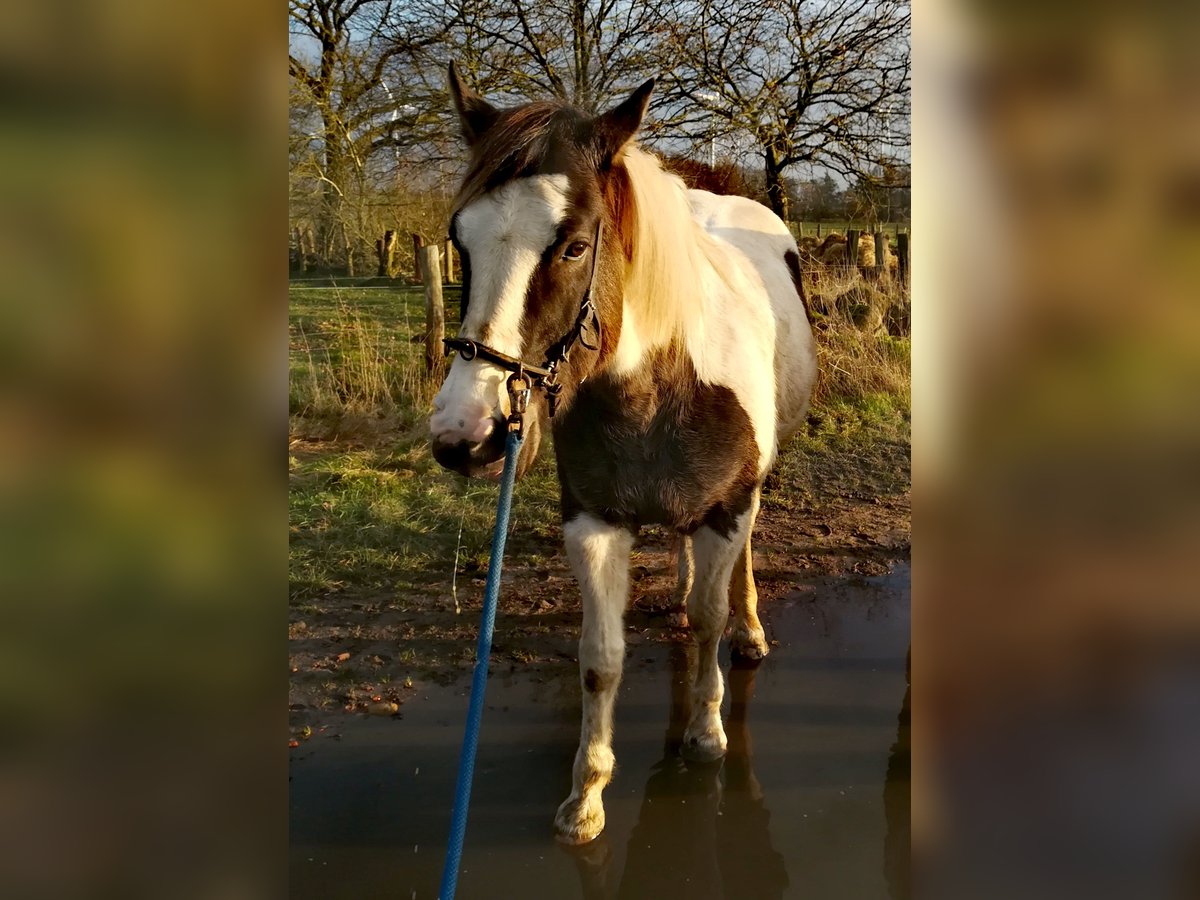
1056	330
1056	368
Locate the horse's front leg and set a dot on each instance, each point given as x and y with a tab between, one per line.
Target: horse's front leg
599	555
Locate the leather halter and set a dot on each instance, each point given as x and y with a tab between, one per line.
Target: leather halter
526	375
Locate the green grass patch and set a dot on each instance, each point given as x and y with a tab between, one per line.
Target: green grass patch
388	520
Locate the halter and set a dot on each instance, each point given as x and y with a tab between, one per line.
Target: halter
526	376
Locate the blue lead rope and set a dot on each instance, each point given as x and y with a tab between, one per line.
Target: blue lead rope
483	652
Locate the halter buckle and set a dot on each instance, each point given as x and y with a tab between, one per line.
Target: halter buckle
519	387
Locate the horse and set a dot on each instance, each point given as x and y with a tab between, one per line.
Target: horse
667	332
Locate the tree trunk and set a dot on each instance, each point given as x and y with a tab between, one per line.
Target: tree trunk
387	252
349	248
330	219
776	189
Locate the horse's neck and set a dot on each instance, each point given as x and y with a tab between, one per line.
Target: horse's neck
668	283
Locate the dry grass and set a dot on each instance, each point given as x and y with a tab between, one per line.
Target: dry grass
353	357
862	341
354	362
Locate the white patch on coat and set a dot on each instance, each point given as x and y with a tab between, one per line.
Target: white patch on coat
505	233
709	271
599	555
760	238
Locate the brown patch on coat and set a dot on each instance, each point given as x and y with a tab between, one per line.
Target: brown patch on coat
594	682
657	446
618	198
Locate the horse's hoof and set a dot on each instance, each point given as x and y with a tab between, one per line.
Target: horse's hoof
677	619
578	822
703	746
748	645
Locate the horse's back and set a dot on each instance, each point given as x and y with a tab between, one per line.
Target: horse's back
767	246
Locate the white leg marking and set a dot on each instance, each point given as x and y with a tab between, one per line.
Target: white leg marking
599	555
748	639
708	613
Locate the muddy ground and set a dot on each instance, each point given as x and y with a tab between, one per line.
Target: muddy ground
833	508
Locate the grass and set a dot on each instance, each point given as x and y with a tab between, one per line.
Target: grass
371	513
351	350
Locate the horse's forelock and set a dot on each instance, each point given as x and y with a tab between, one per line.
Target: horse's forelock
536	138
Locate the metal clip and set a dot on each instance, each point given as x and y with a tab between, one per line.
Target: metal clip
519	388
589	320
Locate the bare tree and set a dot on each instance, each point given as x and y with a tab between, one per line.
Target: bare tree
352	98
587	52
809	81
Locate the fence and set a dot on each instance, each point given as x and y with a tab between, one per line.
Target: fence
387	246
849	257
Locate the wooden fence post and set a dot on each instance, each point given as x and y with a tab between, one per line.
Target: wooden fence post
880	255
852	249
435	311
418	243
902	256
448	253
818	231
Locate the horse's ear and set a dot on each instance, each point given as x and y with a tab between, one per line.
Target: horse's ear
614	129
475	114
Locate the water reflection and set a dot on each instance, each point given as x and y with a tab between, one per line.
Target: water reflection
707	821
897	844
811	799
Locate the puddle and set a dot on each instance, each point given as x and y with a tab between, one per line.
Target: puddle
811	800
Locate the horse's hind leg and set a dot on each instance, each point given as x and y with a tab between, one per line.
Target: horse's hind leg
748	640
599	555
714	555
683	586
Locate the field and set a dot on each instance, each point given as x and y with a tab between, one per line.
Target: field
388	550
842	226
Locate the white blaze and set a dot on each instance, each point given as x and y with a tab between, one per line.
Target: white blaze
504	232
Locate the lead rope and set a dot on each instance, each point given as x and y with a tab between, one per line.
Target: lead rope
483	651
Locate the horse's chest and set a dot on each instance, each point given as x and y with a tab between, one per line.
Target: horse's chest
670	455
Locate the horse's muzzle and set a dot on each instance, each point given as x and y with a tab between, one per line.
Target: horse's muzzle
473	459
486	458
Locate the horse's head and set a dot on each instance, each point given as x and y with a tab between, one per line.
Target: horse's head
540	189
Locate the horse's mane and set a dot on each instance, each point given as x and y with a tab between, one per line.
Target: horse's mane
671	254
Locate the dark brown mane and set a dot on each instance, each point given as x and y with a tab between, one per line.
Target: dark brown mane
546	137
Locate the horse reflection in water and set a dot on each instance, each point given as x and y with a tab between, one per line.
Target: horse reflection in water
706	819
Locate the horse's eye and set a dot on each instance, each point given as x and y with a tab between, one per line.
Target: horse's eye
576	250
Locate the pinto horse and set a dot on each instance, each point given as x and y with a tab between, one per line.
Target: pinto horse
674	328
